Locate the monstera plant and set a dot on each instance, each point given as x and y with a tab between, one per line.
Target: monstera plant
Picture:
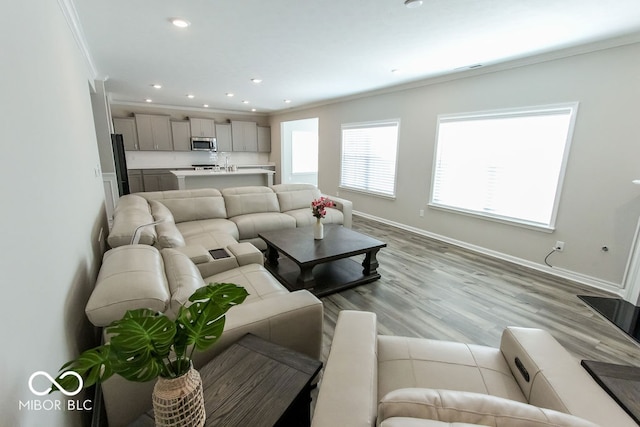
144	344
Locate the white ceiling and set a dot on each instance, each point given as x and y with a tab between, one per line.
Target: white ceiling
313	51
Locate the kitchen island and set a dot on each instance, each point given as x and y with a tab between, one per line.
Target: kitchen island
191	179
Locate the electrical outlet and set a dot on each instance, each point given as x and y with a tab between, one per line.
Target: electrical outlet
559	246
421	212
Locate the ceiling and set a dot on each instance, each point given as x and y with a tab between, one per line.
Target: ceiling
313	51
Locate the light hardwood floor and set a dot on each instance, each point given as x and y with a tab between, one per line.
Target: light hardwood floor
435	290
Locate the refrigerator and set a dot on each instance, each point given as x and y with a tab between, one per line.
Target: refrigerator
120	160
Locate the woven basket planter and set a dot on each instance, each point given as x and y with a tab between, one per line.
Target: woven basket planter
179	401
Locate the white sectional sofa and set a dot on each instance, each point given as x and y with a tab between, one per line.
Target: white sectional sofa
142	276
196	221
388	381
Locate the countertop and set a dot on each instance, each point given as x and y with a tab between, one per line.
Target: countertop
208	172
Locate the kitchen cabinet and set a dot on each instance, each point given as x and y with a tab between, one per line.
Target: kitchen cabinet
202	127
158	180
244	135
223	137
135	180
126	126
154	132
181	135
264	139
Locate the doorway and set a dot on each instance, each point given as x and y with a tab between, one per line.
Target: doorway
300	151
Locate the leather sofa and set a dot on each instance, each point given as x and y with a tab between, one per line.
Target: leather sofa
389	381
143	276
211	219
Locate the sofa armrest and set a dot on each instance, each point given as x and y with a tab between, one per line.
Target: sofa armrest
453	406
349	385
554	379
346	207
293	320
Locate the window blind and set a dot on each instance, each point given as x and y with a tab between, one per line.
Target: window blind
369	155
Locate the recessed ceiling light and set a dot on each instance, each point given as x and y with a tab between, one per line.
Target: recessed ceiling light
205	105
190	96
245	102
157	86
180	23
230	95
148	100
287	101
256	81
412	4
253	109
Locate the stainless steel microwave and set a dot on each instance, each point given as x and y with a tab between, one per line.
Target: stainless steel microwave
199	143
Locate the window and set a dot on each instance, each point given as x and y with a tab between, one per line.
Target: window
369	157
506	165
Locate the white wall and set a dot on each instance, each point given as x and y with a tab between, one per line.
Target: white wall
599	204
53	205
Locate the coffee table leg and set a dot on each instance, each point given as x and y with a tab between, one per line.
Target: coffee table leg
272	256
370	263
306	278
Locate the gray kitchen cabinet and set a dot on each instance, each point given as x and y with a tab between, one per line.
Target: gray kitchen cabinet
126	126
135	180
244	135
223	137
159	180
154	132
202	127
264	139
181	135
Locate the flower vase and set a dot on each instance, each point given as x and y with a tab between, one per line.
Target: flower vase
318	230
179	401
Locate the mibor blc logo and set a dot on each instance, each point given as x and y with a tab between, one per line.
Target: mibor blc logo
55	404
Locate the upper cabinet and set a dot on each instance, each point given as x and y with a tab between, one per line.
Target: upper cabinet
202	127
245	136
154	132
264	139
126	126
223	137
181	134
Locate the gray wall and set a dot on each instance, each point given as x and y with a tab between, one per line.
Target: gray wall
52	209
599	205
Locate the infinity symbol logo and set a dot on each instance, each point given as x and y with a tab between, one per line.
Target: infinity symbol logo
62	390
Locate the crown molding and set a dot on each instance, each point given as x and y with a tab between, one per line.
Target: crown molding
73	21
183	108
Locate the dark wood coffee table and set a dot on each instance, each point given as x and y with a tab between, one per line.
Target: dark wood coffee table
255	383
321	266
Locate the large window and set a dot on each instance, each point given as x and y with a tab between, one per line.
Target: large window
507	165
369	157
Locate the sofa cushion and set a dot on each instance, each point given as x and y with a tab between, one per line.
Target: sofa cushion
183	277
131	212
250	225
473	408
184	210
305	218
417	422
193	228
211	240
131	277
416	362
168	235
295	196
258	282
248	200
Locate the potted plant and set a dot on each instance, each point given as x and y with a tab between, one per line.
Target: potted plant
145	345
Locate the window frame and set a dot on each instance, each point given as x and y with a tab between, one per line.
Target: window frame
363	125
549	109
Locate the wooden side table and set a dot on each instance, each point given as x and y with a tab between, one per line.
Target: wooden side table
255	383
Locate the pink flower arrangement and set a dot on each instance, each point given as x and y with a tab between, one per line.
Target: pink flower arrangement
319	206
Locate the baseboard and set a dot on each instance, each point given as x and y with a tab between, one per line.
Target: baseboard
580	278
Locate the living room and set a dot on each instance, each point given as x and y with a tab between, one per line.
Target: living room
55	230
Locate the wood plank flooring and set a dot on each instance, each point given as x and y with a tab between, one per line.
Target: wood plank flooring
435	290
